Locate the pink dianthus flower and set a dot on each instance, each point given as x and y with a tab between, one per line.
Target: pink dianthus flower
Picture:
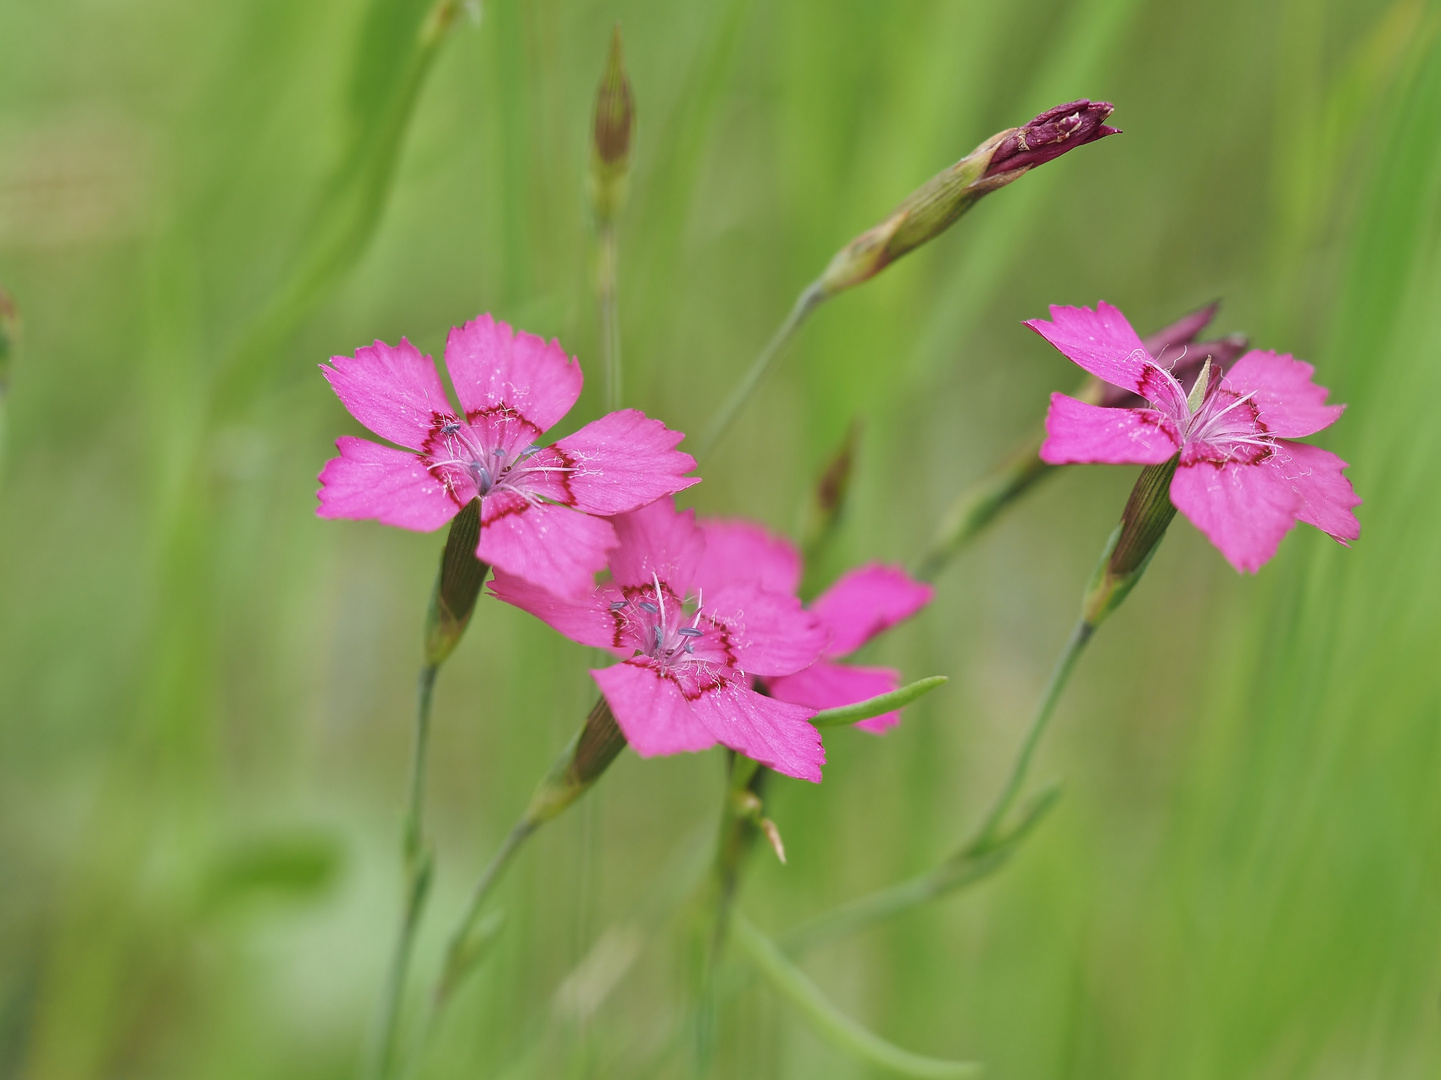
512	388
861	604
1241	478
690	638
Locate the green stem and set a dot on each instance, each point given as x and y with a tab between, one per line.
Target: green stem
1124	559
418	867
807	302
738	832
457	958
1040	720
415	804
980	505
607	285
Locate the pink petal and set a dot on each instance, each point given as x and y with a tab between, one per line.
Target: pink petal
623	461
587	620
1289	404
550	546
1101	341
828	685
492	366
775	733
866	601
395	392
771	633
1078	434
650	710
741	551
1327	496
1243	509
368	480
657	541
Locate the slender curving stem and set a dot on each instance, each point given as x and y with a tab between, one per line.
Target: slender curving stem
807	302
455	952
607	289
417	882
1040	720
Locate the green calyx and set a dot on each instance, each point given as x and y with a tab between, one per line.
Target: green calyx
1148	513
457	586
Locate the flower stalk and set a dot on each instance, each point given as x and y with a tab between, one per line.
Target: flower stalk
1127	554
924	215
452	601
575	770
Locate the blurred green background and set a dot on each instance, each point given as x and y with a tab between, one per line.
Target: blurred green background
205	691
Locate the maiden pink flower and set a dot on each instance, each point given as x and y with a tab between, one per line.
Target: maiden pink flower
512	389
862	604
1241	478
691	638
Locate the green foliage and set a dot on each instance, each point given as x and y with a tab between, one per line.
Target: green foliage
205	692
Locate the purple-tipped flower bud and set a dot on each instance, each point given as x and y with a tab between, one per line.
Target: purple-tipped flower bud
932	208
611	139
1051	134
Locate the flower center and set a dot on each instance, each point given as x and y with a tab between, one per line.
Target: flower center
1228	423
489	467
667	629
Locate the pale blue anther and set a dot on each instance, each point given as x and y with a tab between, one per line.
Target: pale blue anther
646	605
690	631
617	605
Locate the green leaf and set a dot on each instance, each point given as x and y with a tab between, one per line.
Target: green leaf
876	706
832	1024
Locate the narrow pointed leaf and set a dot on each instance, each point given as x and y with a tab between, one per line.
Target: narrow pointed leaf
877	706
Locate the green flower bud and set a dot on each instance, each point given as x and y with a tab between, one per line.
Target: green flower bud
934	207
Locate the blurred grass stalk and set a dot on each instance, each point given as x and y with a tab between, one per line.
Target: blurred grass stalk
391	69
924	215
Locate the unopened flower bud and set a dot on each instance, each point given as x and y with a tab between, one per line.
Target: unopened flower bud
456	586
578	766
1148	513
1051	134
611	136
932	208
